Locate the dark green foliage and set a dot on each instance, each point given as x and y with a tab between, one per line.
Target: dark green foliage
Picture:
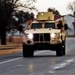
7	8
56	12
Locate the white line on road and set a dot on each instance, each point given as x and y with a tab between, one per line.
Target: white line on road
61	65
18	58
9	60
39	52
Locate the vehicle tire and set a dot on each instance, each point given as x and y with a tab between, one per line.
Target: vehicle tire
27	51
59	50
63	48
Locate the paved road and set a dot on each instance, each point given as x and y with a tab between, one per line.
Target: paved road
43	63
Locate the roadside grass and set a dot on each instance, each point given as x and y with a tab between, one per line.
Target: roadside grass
5	52
10	48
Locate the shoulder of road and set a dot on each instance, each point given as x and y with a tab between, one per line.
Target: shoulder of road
10	48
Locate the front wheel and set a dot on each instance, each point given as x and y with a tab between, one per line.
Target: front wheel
59	50
27	51
63	48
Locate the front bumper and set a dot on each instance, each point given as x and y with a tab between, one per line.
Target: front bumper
43	46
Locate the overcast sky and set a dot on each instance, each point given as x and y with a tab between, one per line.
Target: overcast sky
60	5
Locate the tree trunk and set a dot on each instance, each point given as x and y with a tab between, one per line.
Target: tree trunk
3	32
3	38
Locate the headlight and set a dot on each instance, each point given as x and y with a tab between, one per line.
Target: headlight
53	35
30	36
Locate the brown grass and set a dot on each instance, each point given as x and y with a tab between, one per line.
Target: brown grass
5	52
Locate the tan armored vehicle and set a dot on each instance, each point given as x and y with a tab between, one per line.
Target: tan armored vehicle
43	34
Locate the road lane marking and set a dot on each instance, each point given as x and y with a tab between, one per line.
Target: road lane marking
39	52
61	65
17	58
9	60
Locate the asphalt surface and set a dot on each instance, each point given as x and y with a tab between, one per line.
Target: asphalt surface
43	63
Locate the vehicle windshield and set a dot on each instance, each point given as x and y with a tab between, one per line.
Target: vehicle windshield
36	25
50	25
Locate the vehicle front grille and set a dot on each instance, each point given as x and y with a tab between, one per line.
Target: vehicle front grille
41	37
36	37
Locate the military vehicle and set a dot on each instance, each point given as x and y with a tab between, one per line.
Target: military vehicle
43	34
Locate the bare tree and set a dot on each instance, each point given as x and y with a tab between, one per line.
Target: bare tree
71	6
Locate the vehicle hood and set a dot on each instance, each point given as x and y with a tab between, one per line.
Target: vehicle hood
33	31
